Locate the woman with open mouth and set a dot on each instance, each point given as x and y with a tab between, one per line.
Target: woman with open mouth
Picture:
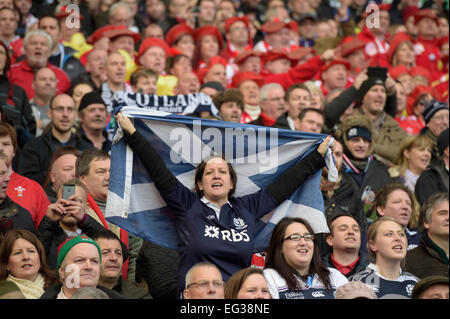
213	225
387	246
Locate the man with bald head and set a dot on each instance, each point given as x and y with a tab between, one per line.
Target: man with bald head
36	154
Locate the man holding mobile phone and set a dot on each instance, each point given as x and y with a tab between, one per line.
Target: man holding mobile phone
66	218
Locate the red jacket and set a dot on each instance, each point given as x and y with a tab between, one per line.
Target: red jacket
298	74
427	54
375	49
28	194
22	75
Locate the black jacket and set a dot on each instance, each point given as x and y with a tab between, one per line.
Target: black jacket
347	197
52	235
37	153
434	180
53	291
158	267
15	107
282	122
13	216
337	107
362	263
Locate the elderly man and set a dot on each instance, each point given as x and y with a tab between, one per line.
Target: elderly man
37	47
79	261
272	104
277	36
203	281
431	256
35	156
61	55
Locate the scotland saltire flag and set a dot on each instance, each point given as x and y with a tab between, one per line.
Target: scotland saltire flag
258	154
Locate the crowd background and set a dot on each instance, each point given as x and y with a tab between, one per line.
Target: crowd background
373	74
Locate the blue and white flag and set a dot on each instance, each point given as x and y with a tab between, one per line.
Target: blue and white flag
258	154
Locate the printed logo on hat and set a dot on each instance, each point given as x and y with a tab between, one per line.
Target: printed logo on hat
352	132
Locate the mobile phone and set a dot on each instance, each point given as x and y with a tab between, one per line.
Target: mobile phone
68	190
376	71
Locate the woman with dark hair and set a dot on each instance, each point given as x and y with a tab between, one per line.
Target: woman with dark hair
294	269
14	105
23	261
248	283
213	225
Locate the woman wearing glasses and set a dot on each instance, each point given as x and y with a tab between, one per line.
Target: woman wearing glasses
387	246
294	269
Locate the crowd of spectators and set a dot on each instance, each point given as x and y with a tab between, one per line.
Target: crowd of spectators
372	74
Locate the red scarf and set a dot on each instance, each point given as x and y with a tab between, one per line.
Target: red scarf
123	234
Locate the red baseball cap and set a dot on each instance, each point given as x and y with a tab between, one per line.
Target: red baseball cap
277	54
350	45
425	13
335	62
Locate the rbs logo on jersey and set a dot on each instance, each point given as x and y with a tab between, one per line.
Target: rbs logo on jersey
230	235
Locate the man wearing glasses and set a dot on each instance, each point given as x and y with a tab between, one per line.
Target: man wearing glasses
203	281
36	154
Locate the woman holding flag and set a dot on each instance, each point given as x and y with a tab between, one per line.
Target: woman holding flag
211	224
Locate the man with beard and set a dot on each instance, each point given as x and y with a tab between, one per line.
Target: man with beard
114	253
37	47
66	218
34	160
92	115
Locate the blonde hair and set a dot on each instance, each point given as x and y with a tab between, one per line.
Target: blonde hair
372	233
417	141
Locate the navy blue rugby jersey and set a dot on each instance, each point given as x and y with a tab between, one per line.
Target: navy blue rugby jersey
400	287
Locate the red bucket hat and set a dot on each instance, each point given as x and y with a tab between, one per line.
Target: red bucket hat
152	42
177	32
208	30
